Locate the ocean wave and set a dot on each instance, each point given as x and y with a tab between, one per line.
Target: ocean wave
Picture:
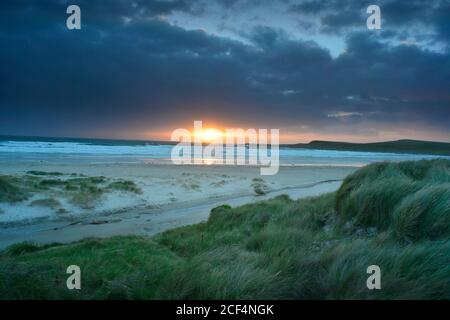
162	151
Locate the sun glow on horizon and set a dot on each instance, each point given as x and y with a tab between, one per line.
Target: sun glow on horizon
212	134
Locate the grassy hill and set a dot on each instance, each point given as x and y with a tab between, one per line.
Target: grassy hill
394	215
399	146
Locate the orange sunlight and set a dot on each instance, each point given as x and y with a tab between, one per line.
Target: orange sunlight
211	135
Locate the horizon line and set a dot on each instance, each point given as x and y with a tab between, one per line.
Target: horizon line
171	142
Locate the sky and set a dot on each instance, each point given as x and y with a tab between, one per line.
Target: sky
141	69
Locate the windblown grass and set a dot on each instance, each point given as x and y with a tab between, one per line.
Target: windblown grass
410	198
47	202
281	248
424	214
127	185
16	189
259	186
81	191
44	173
9	191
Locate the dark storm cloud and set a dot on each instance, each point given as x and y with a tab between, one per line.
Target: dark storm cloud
111	8
340	16
144	72
375	80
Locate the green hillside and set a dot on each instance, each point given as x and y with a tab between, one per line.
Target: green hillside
399	146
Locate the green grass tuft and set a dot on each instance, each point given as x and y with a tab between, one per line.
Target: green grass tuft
79	190
424	214
259	186
125	185
372	195
47	202
10	190
43	173
22	248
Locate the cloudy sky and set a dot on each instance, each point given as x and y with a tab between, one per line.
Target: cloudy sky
140	69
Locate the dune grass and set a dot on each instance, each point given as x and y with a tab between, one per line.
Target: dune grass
47	203
16	189
126	185
259	186
315	248
44	173
9	192
409	198
79	190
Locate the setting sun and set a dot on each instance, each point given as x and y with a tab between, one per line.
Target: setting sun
210	135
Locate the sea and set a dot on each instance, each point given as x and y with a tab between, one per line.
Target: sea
104	150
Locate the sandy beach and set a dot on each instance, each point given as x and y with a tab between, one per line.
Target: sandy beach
170	196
